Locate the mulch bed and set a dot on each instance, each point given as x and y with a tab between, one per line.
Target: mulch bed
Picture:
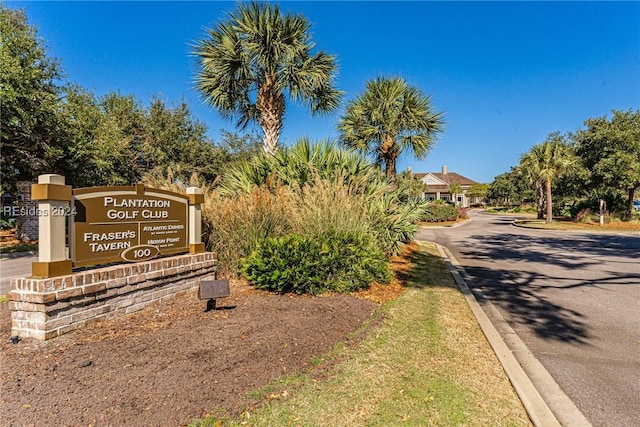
168	366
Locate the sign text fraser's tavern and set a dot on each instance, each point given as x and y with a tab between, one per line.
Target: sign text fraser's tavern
132	223
101	225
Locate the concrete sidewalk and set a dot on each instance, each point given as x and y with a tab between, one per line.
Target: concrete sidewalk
542	397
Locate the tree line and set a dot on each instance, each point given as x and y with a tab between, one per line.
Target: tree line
569	174
49	125
251	65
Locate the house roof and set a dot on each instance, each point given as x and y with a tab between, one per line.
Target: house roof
444	180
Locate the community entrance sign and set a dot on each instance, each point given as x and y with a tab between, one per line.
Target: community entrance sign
112	224
127	223
107	225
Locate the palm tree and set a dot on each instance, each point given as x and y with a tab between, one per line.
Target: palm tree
478	192
388	118
529	169
455	189
250	61
547	162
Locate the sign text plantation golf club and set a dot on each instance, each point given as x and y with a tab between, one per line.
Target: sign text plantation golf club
107	225
127	223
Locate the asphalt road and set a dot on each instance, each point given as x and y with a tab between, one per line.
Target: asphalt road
14	267
572	297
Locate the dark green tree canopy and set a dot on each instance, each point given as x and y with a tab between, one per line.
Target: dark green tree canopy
507	188
601	162
250	61
546	163
29	124
390	117
478	190
49	126
610	149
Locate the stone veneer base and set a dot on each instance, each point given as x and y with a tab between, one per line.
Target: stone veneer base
47	308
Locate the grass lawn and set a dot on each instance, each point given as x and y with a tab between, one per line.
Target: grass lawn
20	247
615	226
424	363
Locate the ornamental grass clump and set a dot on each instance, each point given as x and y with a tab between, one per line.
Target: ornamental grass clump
235	225
335	189
326	205
311	218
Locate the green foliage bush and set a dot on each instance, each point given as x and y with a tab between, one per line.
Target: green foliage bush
333	261
438	213
302	164
331	189
394	222
307	190
7	222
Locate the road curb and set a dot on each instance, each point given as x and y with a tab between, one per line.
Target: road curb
545	402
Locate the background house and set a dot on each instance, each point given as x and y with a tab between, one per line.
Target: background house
439	185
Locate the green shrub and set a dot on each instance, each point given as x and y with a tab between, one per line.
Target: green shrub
7	222
333	189
394	222
438	213
339	262
300	164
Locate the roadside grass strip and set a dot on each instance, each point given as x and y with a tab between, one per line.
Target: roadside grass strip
426	363
15	248
612	227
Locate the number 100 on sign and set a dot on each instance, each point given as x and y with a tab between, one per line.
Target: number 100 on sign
140	253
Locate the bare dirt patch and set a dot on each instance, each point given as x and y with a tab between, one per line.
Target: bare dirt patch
168	366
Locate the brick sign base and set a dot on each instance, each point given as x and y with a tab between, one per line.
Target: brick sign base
46	308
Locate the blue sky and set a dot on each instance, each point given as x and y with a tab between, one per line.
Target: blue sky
506	74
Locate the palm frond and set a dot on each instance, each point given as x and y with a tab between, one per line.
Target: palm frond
388	118
258	51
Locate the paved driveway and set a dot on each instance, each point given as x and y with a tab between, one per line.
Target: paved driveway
573	298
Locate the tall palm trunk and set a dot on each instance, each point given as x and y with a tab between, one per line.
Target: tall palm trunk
549	202
389	151
391	168
270	105
272	129
540	199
